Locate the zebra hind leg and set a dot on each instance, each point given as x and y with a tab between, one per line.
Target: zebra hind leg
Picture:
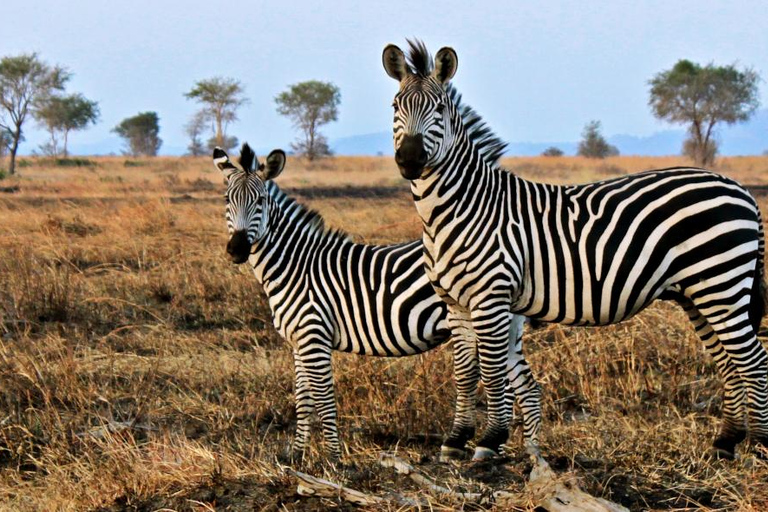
730	340
467	375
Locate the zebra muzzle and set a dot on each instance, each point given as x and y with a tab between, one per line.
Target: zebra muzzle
238	247
411	157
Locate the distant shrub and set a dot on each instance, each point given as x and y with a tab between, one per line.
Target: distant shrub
552	151
593	144
134	163
24	163
74	162
3	174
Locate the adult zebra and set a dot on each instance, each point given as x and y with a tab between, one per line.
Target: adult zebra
589	254
328	293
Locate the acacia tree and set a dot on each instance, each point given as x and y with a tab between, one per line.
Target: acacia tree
141	133
25	80
221	97
593	144
63	114
702	97
310	105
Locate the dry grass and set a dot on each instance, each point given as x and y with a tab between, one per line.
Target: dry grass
139	369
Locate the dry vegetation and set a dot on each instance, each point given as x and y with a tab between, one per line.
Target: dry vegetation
139	369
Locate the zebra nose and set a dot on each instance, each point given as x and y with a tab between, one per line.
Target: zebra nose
238	247
411	157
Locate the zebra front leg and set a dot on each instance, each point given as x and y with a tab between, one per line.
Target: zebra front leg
491	322
315	360
305	406
523	386
466	376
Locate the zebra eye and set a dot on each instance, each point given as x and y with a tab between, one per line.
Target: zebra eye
394	106
440	107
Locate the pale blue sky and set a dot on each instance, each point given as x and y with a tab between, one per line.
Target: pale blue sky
537	71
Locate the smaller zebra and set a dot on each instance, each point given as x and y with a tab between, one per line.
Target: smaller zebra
328	293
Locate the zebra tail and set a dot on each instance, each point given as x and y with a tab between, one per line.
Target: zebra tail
759	295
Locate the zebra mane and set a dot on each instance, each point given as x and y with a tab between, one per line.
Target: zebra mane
419	59
313	218
247	158
489	144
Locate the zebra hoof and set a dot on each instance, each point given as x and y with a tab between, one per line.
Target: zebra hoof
450	454
482	453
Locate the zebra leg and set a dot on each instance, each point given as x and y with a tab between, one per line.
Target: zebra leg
492	327
315	360
466	375
733	429
523	386
304	409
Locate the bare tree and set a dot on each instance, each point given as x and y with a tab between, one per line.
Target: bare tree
25	80
194	130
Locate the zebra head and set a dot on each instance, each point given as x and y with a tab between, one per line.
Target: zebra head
247	206
423	130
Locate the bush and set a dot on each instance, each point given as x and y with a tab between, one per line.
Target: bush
552	151
3	174
74	162
134	163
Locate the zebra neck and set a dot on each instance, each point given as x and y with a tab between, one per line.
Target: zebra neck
293	234
450	184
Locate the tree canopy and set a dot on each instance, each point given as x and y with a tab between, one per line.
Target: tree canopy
701	97
24	81
141	133
62	114
220	97
593	144
310	105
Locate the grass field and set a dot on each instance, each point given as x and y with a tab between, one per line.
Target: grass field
139	369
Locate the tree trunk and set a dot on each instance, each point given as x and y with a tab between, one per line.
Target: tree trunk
14	149
219	131
66	134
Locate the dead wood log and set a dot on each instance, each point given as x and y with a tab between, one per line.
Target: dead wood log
319	487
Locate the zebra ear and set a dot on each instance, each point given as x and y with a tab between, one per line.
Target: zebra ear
393	59
275	165
223	163
446	62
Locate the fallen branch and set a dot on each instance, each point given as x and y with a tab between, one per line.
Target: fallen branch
319	487
544	491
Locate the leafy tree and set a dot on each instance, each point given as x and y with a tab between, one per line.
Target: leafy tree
310	105
63	114
702	97
194	129
593	144
221	97
25	80
228	144
552	151
141	133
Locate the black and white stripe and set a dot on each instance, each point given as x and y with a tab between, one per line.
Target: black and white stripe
328	293
591	254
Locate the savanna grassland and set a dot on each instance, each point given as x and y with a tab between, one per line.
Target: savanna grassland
139	369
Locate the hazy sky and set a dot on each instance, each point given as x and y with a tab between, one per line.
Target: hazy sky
537	71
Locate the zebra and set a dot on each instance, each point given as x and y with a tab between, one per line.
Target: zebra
592	254
328	293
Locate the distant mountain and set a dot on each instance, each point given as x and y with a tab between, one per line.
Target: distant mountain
749	138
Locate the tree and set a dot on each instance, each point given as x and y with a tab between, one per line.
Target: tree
310	105
5	141
552	151
194	129
25	80
221	97
63	114
141	133
593	144
702	97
